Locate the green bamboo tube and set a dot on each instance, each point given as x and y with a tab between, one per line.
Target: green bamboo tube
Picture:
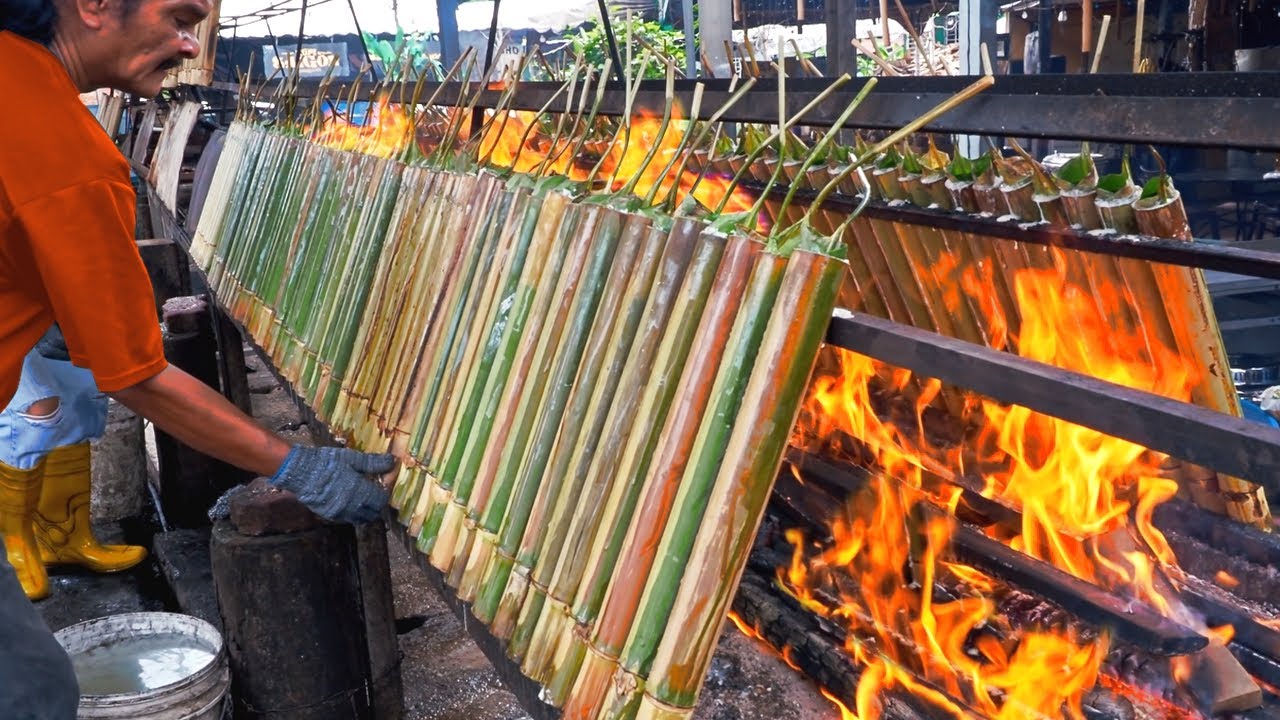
541	405
742	485
442	339
231	169
656	256
545	251
521	229
295	279
1196	326
636	257
642	628
687	270
424	307
337	338
619	472
516	234
437	425
528	371
278	219
238	207
538	478
612	613
261	214
416	186
420	251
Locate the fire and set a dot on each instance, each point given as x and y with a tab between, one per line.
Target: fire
646	157
1085	499
386	131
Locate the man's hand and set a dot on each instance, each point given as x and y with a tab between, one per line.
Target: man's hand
335	482
52	345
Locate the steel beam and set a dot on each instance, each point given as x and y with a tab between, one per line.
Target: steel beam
1229	445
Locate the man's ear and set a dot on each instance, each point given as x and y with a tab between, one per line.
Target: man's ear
94	13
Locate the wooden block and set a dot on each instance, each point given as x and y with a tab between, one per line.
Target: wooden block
1219	683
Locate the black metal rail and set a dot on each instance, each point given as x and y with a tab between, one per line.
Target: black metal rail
1207	256
1229	445
1212	109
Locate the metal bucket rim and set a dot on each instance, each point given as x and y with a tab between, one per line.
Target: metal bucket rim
204	631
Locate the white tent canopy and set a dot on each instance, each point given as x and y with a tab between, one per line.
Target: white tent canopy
252	18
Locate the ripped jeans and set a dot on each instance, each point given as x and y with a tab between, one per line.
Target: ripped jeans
81	414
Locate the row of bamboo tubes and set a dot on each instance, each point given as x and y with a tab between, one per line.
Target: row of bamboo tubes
591	403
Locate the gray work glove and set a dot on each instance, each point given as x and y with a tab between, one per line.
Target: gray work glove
52	345
335	483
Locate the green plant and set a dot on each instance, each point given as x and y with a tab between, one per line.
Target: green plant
868	67
591	44
405	59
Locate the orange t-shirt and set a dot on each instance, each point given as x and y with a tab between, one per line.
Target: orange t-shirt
67	251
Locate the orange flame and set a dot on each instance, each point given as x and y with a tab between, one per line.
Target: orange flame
508	142
1085	499
385	133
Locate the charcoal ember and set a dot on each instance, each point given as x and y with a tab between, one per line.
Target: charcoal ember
1256	583
1102	704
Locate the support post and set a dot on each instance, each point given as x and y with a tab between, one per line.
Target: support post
977	26
191	481
292	614
168	268
842	20
715	21
447	14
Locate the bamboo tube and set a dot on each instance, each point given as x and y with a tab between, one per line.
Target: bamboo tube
499	461
514	246
717	270
520	231
1191	314
508	374
662	260
593	290
657	486
664	568
635	259
500	518
743	484
645	389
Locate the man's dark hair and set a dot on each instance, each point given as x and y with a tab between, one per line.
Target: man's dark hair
32	19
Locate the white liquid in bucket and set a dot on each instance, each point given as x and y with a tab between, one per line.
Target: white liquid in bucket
139	664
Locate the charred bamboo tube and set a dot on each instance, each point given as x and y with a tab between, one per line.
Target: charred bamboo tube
743	485
1191	314
689	446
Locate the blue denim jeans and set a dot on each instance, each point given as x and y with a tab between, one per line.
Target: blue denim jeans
81	415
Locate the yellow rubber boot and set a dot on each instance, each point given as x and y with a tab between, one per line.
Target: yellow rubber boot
19	494
62	526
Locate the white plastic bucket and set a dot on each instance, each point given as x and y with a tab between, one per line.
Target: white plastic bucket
146	666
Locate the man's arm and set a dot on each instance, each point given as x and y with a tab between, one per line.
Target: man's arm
201	418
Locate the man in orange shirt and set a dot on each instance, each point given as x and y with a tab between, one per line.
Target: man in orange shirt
67	256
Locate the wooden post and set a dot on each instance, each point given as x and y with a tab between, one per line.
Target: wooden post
168	268
231	366
292	615
842	57
191	481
